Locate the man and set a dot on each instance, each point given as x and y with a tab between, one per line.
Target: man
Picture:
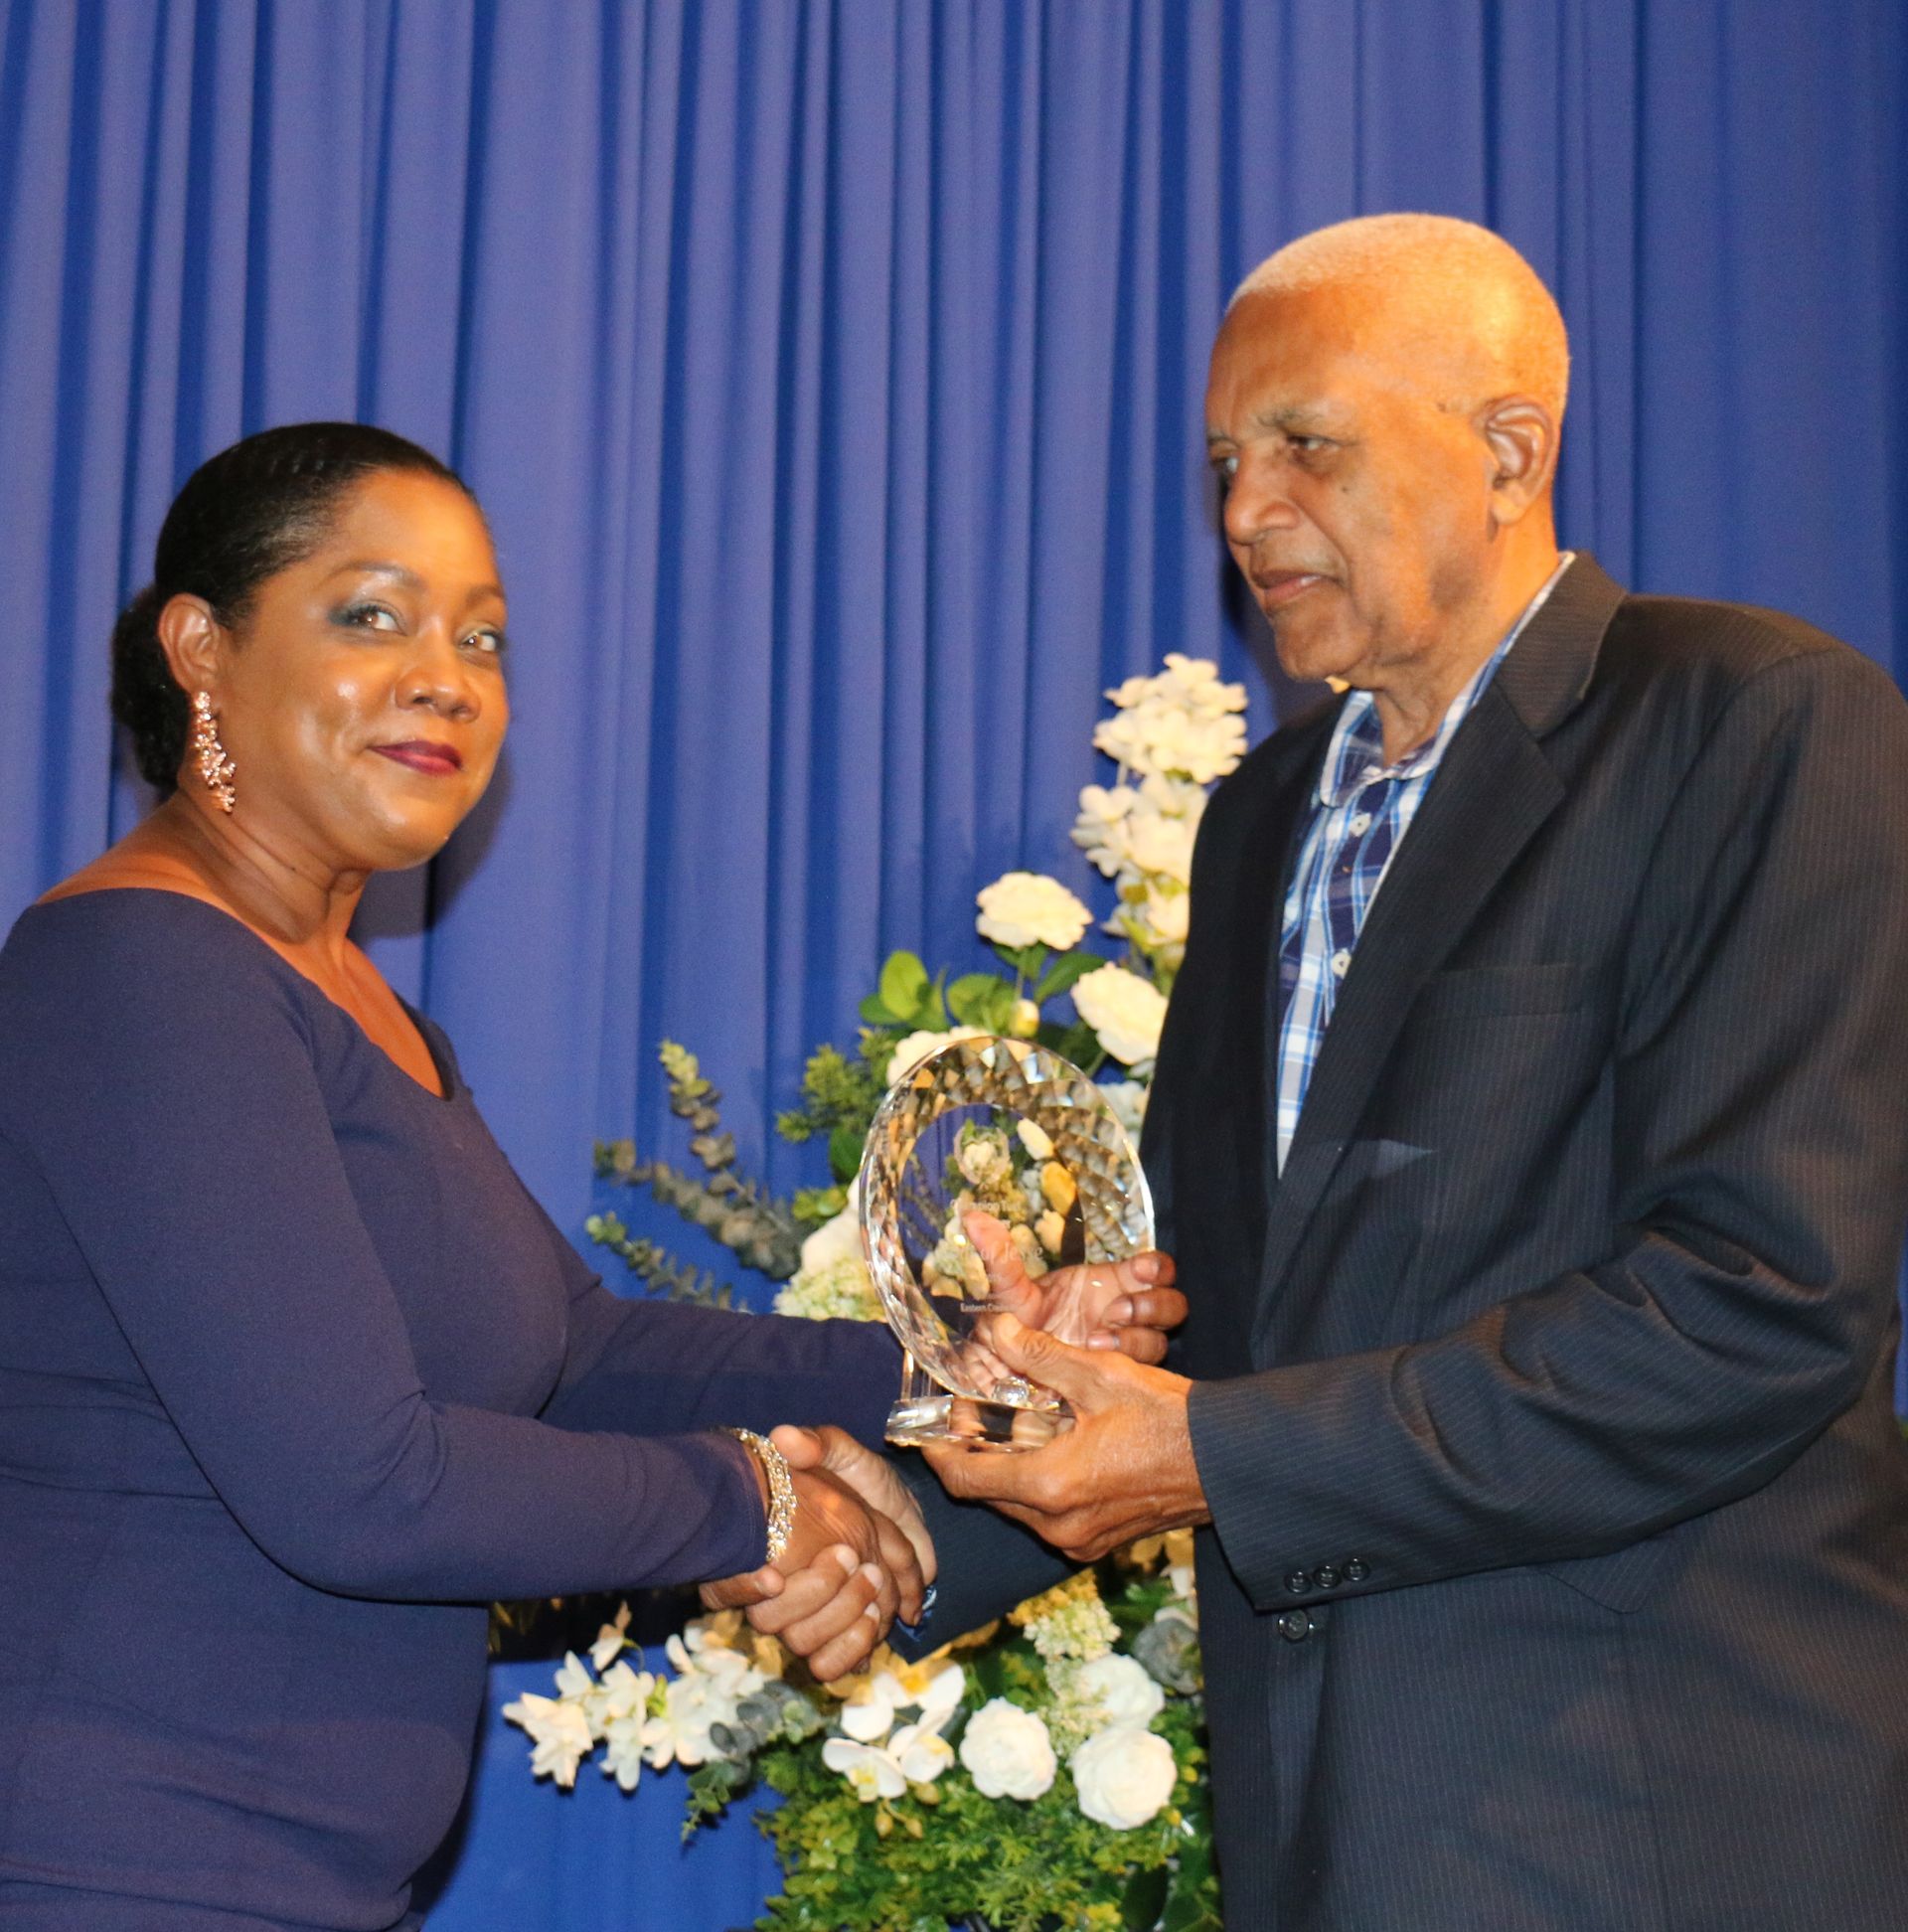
1531	1131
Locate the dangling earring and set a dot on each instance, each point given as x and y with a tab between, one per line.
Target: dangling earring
214	767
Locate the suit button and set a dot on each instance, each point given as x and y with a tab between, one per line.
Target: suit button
1326	1577
1298	1584
1356	1570
1295	1625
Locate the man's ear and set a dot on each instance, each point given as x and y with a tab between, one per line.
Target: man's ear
1522	436
194	642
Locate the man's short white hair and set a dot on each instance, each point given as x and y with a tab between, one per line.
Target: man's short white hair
1454	276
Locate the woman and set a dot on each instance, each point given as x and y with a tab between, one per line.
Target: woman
294	1374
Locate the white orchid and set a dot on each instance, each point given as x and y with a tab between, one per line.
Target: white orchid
710	1681
1031	909
873	1705
573	1681
559	1734
868	1768
611	1641
921	1752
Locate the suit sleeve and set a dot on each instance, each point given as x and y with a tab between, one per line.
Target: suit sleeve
1759	1143
173	1111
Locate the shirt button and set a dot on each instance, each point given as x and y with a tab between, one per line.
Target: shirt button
1360	823
1356	1570
1295	1625
1326	1577
1340	964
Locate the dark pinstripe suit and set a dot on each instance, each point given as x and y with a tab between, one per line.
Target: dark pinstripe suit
1560	1567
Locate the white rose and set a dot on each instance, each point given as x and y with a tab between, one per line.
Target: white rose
1125	1011
1122	1689
917	1045
1123	1776
1029	909
1007	1751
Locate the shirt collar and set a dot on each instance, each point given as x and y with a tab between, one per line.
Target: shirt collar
1355	756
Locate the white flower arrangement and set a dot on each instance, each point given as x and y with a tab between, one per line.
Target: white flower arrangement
1049	1770
1077	1727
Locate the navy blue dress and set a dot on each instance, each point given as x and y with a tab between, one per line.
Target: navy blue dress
295	1378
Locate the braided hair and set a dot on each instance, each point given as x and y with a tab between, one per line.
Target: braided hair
245	515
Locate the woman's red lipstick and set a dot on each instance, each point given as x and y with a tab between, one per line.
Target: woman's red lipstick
421	754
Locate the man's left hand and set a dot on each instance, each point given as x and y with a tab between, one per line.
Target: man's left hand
1125	1468
1126	1305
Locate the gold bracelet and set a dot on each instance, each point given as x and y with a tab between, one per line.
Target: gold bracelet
781	1489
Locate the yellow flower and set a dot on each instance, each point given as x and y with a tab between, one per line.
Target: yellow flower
1078	1588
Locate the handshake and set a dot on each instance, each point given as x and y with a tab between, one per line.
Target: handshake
858	1553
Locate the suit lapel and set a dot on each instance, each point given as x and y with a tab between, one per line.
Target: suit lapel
1220	995
1492	790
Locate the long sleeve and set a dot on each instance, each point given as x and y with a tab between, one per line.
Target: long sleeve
655	1367
164	1087
1760	1059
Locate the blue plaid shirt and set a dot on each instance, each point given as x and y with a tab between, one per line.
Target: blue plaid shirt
1364	808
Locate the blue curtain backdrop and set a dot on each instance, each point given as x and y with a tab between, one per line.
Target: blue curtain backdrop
831	373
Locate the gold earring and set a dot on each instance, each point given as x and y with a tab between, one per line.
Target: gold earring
214	767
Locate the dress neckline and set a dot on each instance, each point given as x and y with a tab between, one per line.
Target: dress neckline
433	1041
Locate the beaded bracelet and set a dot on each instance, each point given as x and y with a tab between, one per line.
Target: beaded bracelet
781	1489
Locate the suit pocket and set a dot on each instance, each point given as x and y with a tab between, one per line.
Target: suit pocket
1479	992
1623	1581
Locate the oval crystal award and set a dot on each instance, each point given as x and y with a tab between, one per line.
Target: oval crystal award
1008	1128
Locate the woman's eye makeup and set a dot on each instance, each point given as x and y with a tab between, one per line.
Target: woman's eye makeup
365	615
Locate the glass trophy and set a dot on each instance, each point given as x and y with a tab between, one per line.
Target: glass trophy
1008	1128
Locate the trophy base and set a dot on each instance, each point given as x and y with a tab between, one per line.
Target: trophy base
981	1424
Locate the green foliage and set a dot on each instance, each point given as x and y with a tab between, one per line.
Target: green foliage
839	1096
758	1230
944	1852
1026	961
906	998
660	1273
983	1000
1065	973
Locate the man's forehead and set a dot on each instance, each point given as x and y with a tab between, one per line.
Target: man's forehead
1289	356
